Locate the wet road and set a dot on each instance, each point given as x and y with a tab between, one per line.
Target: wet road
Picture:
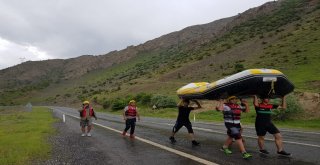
152	146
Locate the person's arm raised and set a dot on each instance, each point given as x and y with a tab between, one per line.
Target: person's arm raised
283	103
198	104
219	107
255	101
245	103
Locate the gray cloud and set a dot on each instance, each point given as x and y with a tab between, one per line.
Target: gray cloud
69	28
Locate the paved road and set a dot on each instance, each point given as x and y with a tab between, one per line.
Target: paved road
152	146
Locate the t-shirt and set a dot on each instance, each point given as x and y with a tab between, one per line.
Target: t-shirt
264	112
88	112
184	112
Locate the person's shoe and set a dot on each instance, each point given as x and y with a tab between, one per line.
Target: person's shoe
226	150
195	143
83	134
89	134
283	153
264	151
246	155
132	136
172	139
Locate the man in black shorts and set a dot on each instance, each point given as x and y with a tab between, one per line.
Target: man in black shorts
183	120
264	124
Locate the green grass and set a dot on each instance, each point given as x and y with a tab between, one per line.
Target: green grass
24	134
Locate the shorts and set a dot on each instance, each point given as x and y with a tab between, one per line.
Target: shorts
233	130
86	122
263	128
179	124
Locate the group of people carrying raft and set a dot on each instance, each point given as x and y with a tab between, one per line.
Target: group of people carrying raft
232	116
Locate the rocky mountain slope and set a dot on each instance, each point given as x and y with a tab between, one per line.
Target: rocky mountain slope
283	35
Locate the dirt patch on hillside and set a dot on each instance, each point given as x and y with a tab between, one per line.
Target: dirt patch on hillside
310	103
314	84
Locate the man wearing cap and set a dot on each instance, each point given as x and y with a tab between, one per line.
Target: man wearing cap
86	114
232	115
129	115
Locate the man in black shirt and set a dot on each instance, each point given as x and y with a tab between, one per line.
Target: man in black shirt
183	120
264	124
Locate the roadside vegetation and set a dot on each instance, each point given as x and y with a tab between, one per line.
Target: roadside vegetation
286	39
289	118
24	135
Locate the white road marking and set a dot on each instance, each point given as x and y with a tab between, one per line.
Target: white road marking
247	136
183	154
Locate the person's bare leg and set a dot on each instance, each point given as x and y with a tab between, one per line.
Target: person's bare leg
261	142
240	145
191	136
278	141
227	142
89	128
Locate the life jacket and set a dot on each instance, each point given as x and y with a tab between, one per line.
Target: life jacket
84	112
132	111
234	115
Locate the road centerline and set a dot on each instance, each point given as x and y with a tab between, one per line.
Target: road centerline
183	154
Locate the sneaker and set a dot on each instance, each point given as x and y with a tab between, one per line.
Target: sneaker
195	143
89	134
172	139
246	155
132	136
226	150
264	152
83	134
284	153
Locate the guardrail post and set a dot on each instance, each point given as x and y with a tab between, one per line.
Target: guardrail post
194	117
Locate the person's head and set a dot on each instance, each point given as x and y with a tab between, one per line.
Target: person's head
132	102
86	103
265	100
232	99
184	102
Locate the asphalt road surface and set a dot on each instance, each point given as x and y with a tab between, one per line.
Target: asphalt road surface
152	145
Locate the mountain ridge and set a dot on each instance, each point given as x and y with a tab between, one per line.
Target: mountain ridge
200	52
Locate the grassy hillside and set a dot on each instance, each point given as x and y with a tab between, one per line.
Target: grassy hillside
286	38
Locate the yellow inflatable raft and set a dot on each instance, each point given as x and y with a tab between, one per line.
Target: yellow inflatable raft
262	82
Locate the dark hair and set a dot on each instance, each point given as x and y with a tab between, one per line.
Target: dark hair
182	101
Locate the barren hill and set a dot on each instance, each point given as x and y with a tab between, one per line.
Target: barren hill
283	35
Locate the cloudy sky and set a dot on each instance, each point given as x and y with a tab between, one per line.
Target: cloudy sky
49	29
